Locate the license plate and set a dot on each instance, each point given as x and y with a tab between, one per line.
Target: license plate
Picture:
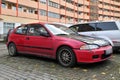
109	51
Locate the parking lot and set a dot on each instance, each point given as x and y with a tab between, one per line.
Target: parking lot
29	67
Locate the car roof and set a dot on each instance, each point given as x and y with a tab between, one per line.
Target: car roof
96	22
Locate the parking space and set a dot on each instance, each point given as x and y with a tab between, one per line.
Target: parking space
32	67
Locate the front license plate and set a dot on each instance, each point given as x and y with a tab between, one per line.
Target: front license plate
109	51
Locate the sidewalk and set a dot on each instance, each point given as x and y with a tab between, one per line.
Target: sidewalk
2	46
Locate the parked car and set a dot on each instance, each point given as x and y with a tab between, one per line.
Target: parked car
67	47
109	29
61	25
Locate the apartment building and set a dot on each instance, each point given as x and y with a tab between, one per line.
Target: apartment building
16	12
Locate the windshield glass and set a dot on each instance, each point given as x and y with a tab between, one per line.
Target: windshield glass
60	27
55	30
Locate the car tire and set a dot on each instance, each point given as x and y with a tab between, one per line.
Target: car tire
12	50
66	57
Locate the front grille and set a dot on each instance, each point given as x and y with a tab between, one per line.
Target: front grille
105	56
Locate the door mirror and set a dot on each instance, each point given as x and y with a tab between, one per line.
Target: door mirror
45	34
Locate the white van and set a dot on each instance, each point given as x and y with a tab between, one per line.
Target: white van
110	29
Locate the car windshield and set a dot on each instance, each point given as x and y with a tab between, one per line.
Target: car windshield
59	29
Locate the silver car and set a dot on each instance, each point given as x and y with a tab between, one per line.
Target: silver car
106	29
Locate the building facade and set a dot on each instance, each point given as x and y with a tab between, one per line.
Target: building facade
15	12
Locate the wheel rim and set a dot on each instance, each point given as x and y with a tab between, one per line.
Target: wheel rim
65	56
11	50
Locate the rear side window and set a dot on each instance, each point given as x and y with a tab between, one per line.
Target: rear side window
21	30
106	26
83	27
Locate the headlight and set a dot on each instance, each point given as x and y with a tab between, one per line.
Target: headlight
89	47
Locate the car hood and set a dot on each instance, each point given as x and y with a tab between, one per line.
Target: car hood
88	39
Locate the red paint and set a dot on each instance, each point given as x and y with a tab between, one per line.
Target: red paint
47	46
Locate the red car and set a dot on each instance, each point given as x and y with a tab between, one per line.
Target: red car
66	46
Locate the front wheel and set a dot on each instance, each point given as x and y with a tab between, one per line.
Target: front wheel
66	57
12	49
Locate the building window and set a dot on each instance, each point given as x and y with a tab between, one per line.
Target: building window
53	4
13	7
20	8
43	1
53	15
43	12
4	5
7	26
31	11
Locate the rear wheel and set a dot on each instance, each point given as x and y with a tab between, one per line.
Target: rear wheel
12	49
66	57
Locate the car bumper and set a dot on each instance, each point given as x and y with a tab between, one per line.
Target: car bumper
92	56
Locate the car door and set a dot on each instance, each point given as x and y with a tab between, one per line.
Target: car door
19	37
37	43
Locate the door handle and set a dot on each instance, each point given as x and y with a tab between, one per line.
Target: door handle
27	38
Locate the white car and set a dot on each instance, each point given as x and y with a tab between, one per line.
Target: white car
60	25
109	30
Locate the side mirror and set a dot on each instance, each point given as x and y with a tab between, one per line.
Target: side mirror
45	34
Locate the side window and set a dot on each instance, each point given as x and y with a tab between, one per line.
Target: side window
36	30
86	27
21	30
106	26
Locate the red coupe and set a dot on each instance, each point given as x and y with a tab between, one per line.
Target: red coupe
66	46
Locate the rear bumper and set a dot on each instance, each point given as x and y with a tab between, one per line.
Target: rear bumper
92	56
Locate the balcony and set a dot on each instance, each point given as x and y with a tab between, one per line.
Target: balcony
53	19
81	16
81	9
62	11
30	4
27	15
43	18
8	12
69	5
13	1
57	1
76	15
100	5
86	2
52	9
86	10
62	20
62	2
43	6
81	1
107	1
86	17
117	3
100	11
71	14
76	8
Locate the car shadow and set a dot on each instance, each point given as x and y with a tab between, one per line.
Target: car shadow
79	65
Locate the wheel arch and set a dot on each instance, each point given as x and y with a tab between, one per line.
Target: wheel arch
10	43
63	46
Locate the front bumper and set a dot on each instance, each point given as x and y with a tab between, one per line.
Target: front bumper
92	56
